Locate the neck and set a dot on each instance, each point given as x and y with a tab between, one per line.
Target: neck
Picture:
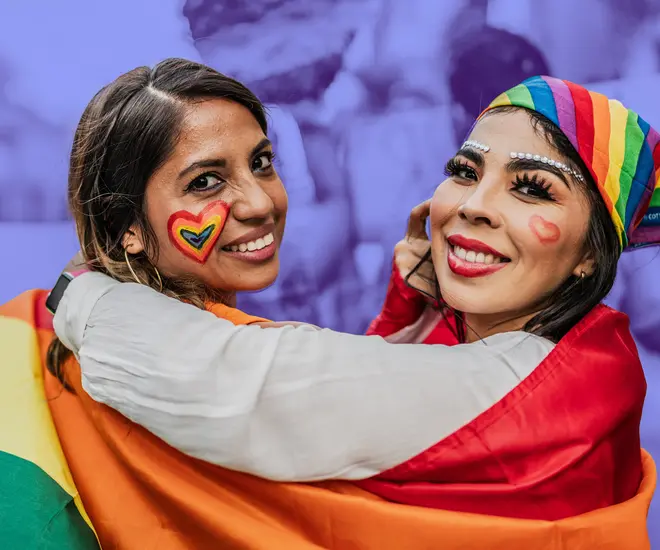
478	326
226	298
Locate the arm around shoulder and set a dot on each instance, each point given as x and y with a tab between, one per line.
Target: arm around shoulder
290	403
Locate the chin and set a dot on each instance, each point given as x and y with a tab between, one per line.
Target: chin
466	298
475	303
258	280
455	302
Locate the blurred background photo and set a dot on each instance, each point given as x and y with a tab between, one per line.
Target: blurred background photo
367	100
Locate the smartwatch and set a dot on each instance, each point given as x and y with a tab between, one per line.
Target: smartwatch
55	295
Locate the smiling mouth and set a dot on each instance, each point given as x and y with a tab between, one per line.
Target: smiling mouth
473	257
252	246
472	263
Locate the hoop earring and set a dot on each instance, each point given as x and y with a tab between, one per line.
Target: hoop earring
160	281
130	268
137	280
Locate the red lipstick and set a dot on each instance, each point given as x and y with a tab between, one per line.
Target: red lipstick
471	269
473	244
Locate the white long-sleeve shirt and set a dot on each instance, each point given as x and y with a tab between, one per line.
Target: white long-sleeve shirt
291	403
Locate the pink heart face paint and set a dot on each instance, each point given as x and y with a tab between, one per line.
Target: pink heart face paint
546	232
195	234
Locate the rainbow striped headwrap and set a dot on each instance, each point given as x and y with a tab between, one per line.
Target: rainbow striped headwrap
619	148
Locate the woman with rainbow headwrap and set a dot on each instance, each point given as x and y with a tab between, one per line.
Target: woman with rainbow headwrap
519	428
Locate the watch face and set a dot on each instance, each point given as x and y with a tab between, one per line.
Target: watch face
56	294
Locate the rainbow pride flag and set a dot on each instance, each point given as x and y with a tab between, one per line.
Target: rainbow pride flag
75	472
40	506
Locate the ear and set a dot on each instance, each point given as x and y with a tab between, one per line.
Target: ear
132	241
587	266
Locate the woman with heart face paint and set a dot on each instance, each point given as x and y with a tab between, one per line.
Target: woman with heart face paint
172	185
528	407
213	207
216	205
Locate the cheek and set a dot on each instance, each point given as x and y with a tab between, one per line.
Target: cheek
278	195
444	204
545	231
443	208
195	234
158	208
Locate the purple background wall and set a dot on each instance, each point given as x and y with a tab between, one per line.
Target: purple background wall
368	99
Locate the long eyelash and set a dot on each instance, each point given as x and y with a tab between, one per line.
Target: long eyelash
269	154
535	182
191	189
454	167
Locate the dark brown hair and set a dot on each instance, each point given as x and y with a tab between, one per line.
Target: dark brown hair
577	296
128	130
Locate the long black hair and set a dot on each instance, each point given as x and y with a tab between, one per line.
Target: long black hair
576	296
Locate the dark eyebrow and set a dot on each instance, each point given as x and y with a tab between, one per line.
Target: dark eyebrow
259	146
220	162
517	165
473	155
206	163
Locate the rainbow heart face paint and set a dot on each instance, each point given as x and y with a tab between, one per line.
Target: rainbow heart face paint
196	234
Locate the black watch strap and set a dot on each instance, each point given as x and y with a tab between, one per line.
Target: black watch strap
55	295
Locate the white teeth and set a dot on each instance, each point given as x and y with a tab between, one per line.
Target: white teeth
474	257
251	246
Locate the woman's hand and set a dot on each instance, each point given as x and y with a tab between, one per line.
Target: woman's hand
410	253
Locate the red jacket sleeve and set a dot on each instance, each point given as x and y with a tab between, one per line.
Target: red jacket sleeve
402	307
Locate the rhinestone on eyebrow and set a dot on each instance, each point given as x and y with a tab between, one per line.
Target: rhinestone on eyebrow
476	145
549	162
